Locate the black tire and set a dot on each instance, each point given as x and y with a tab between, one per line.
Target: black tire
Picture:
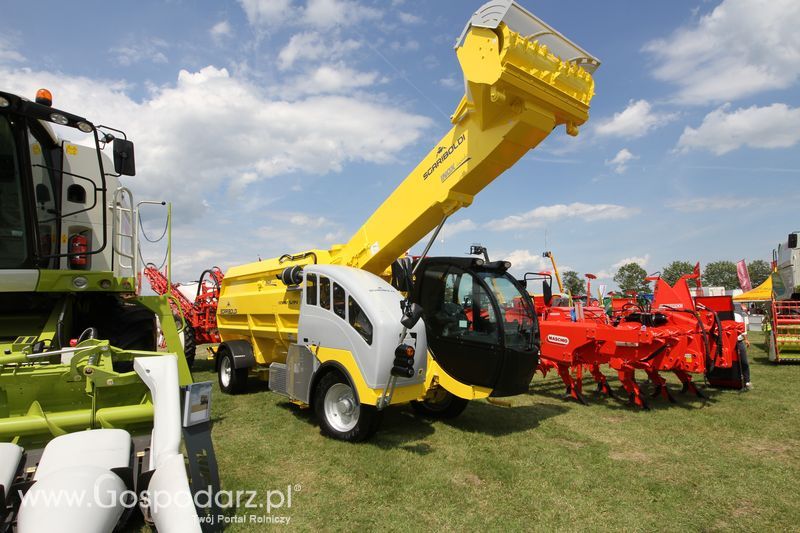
232	380
442	405
130	327
360	425
189	345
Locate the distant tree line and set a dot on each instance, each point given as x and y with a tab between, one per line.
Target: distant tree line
631	276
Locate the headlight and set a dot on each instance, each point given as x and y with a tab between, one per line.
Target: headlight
59	119
85	127
4	102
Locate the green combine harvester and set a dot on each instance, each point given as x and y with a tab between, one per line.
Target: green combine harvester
78	344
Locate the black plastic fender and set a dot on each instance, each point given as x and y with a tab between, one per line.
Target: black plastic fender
241	351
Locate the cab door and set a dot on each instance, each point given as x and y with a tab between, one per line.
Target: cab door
464	335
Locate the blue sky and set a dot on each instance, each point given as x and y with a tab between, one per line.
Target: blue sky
279	125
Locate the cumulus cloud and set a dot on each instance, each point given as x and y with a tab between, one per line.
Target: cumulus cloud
261	13
220	31
210	133
542	215
621	160
311	46
634	121
328	79
773	126
639	260
713	203
741	48
524	261
7	52
409	18
151	49
326	14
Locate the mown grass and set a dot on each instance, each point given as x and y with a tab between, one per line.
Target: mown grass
731	462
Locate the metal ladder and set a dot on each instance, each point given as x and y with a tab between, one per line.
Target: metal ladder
124	214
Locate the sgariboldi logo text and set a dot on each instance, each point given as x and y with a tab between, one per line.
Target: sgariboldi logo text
443	155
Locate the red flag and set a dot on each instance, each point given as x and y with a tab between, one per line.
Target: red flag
744	276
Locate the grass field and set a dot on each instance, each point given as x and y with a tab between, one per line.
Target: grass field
732	462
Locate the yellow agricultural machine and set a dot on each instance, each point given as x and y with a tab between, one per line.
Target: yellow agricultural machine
783	337
328	330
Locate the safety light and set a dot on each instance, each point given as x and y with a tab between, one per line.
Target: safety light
4	102
85	127
80	282
403	361
105	283
44	97
59	119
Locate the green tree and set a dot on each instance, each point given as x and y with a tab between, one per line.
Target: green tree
759	271
573	282
673	271
721	274
630	277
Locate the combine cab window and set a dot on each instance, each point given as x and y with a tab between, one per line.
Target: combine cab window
45	194
358	319
13	253
338	300
325	293
311	289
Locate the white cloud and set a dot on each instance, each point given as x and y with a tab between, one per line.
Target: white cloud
634	121
210	134
406	46
454	228
544	214
311	46
326	14
327	79
151	50
261	13
409	18
639	260
773	126
524	261
451	82
741	48
220	30
621	160
7	52
691	205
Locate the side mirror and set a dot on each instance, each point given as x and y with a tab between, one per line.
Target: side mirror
411	315
124	162
547	290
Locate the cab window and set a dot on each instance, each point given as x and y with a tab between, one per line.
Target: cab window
324	292
359	320
338	300
459	307
45	191
311	289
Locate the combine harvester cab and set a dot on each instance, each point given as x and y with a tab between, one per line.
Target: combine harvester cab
522	79
80	377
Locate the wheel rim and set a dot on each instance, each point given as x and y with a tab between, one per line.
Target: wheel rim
440	401
341	408
225	371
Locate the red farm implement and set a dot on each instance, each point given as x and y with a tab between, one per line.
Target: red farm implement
199	315
673	334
